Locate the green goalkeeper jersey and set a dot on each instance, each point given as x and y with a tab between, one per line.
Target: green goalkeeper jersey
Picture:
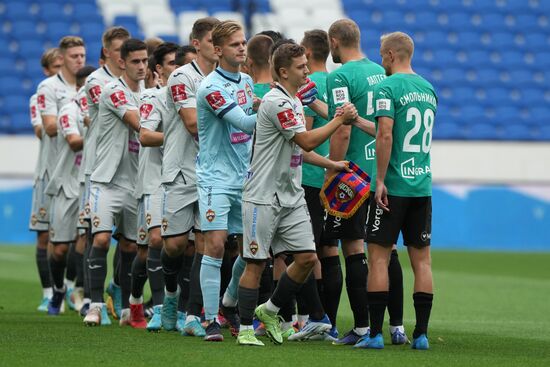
355	82
411	102
260	89
314	175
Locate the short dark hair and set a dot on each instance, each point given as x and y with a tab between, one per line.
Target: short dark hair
202	26
131	45
274	35
283	55
258	50
182	52
83	73
279	43
317	41
151	65
162	50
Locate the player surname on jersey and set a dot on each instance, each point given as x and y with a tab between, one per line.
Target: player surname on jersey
418	97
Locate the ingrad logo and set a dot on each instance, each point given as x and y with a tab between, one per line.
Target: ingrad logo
344	193
410	170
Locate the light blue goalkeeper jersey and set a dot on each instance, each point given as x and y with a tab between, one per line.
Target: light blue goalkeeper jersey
226	122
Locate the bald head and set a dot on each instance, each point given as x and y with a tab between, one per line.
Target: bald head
399	43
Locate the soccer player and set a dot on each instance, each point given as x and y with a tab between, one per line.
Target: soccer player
226	121
187	54
353	82
148	189
113	179
275	214
51	63
112	40
64	189
401	187
180	208
257	63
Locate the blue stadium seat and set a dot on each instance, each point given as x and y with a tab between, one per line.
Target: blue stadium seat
57	30
86	11
495	96
24	29
482	131
489	22
9	84
471	113
20	123
501	40
458	22
30	49
526	23
532	97
16	11
92	31
15	103
7	65
517	132
463	96
487	76
544	133
424	20
50	11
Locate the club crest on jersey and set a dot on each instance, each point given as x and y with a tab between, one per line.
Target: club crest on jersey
241	97
215	100
344	193
253	247
210	215
118	98
248	90
64	120
96	221
148	219
145	110
42	212
95	93
34	220
164	224
142	234
178	92
41	101
287	118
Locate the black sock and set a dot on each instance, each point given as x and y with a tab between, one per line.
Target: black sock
395	300
154	273
248	299
183	281
266	282
85	263
116	265
43	267
332	285
284	292
97	271
310	297
356	285
57	269
377	308
71	263
171	267
125	276
194	305
422	307
79	263
288	309
226	271
139	276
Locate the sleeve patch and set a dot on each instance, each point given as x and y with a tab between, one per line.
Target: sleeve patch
287	118
340	95
84	104
95	93
178	92
64	120
383	104
241	97
215	100
145	110
33	112
118	98
41	101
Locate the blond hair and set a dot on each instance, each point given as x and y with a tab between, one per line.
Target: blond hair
114	33
346	32
400	43
70	42
49	56
224	30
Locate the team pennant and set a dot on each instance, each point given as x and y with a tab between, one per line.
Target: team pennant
343	193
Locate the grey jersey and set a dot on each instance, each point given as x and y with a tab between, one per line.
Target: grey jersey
95	83
52	94
65	175
180	147
116	159
36	120
276	167
152	113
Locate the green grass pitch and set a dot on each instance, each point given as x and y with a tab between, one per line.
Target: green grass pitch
490	309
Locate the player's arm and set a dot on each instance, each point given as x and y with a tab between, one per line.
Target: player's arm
69	129
236	117
320	108
49	125
87	121
150	122
131	118
38	131
35	117
189	118
47	106
384	141
149	138
223	106
338	94
320	161
75	141
365	125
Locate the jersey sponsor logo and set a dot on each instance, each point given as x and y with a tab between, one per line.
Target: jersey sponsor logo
64	120
340	95
84	104
248	90
133	146
33	112
296	160
215	100
409	169
253	246
41	101
287	118
145	110
370	150
239	138
94	93
383	104
78	159
241	97
210	215
377	219
119	98
178	92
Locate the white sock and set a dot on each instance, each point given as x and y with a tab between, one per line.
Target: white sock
286	325
96	304
401	328
228	301
302	319
86	300
170	294
47	292
190	318
246	327
136	301
69	283
361	330
271	307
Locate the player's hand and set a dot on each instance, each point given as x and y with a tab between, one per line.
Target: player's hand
256	103
307	93
340	166
381	196
349	113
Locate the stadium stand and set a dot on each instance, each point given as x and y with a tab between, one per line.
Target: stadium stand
488	59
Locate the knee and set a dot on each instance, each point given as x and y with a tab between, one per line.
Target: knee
142	252
173	247
60	251
306	260
155	240
102	240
